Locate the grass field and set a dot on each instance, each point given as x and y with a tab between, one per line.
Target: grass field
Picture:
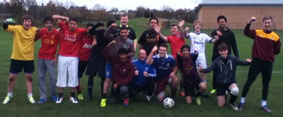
19	107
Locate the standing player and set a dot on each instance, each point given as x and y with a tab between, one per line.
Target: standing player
198	40
225	65
124	23
22	55
96	61
47	59
266	45
68	59
87	42
227	37
166	70
176	39
191	79
150	37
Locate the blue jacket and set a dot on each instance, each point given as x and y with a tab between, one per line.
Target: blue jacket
142	67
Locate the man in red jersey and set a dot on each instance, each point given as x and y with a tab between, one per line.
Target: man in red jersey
68	59
47	59
87	42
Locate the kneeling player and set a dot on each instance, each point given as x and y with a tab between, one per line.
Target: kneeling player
142	82
166	70
225	65
122	74
191	79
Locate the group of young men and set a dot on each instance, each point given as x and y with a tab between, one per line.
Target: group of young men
108	53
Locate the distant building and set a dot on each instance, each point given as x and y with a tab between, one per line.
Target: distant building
238	12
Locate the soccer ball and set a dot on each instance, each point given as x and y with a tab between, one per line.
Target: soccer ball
168	102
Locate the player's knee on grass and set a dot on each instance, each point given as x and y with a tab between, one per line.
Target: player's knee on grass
13	77
189	99
124	91
161	96
234	91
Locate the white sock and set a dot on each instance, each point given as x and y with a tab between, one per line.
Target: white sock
263	102
242	100
10	94
29	95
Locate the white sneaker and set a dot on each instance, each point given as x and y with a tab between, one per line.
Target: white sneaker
7	100
148	98
31	100
59	100
73	100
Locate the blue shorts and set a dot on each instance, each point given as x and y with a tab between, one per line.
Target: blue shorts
108	71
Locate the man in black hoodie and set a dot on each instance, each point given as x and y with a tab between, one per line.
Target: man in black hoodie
225	67
228	38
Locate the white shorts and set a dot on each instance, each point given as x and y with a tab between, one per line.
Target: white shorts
201	61
67	71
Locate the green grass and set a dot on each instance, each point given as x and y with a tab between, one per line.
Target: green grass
20	107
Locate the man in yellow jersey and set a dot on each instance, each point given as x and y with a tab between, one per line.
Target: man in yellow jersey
22	55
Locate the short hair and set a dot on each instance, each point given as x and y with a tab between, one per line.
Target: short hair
27	17
124	28
109	22
74	19
122	51
185	46
124	15
195	22
154	18
221	17
48	18
266	18
172	25
163	45
222	47
89	24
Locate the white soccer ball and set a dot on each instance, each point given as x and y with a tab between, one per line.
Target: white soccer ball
168	103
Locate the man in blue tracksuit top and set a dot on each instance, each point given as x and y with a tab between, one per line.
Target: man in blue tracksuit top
143	77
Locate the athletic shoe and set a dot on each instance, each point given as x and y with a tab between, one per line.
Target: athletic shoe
103	102
234	107
181	93
54	98
41	101
213	91
80	96
7	100
198	101
148	98
240	106
265	108
126	101
59	100
73	100
31	100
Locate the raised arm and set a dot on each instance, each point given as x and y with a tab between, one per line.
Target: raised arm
149	59
248	32
180	26
110	32
59	17
163	37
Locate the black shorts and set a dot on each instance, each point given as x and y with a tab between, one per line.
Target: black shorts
96	65
222	88
82	66
191	88
17	66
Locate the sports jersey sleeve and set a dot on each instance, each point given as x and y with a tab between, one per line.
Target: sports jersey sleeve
277	47
173	62
12	28
207	38
133	34
248	32
62	25
241	62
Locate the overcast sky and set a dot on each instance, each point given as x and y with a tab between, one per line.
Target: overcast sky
130	4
